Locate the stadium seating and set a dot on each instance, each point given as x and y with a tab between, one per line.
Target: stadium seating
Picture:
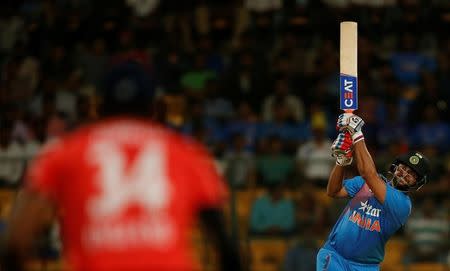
267	254
7	197
39	265
294	194
394	252
243	204
426	267
204	253
321	197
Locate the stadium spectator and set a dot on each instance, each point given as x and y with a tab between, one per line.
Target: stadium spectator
217	105
239	164
289	131
194	81
390	121
408	63
143	8
56	126
283	98
247	77
430	130
86	109
313	158
246	123
12	157
302	255
272	214
93	62
274	167
427	233
316	219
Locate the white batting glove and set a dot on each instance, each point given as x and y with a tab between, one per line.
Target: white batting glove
351	123
341	149
343	160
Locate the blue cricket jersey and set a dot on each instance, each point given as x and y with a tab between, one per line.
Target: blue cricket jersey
365	225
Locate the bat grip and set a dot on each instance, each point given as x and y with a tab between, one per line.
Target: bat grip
349	111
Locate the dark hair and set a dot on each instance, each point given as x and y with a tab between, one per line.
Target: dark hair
128	89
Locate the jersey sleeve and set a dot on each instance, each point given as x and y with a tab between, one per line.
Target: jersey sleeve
353	185
44	172
398	206
209	187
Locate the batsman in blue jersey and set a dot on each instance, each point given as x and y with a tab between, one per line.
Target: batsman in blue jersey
378	206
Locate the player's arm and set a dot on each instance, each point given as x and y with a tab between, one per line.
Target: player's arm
341	149
335	188
214	224
210	195
33	214
367	170
364	162
33	211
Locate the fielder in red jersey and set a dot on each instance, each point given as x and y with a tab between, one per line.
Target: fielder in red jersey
127	192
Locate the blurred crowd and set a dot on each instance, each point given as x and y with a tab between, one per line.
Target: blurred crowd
256	81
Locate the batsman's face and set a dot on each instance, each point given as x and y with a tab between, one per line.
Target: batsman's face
405	175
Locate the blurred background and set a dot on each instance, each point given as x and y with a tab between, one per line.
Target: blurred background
256	81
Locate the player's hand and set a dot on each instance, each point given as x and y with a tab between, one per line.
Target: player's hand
351	123
343	160
341	149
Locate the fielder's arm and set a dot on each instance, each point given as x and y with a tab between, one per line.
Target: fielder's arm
214	222
32	215
367	170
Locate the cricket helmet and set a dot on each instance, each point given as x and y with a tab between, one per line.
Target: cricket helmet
418	163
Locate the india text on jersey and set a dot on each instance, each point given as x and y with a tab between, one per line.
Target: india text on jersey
368	218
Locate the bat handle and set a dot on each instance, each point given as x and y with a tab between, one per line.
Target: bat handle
349	111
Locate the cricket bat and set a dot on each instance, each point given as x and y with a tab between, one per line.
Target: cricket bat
348	55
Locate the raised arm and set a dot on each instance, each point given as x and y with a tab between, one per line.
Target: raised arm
341	150
364	162
367	170
334	187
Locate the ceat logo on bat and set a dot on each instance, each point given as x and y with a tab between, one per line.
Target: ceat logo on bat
348	92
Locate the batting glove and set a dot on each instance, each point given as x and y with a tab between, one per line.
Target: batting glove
343	160
341	149
351	123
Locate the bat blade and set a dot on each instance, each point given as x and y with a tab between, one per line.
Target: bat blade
348	90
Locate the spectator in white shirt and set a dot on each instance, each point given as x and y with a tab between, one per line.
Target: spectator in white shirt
313	158
12	158
282	94
263	5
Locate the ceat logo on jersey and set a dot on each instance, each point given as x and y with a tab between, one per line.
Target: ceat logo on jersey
368	219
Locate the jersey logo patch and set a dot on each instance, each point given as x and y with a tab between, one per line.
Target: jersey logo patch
369	210
368	218
365	222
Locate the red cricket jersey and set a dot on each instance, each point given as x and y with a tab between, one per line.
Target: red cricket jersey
129	192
